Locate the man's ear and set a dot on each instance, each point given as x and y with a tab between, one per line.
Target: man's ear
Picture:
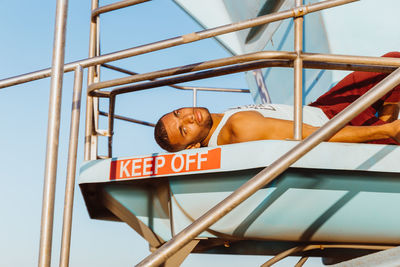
196	145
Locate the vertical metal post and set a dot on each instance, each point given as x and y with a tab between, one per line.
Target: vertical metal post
90	140
111	111
71	167
194	97
298	75
53	130
96	101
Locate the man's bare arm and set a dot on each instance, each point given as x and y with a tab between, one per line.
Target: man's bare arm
360	134
251	126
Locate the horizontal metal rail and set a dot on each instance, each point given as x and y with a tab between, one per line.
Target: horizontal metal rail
213	89
188	38
128	119
194	67
249	66
115	6
180	87
348	67
312	58
271	172
185	78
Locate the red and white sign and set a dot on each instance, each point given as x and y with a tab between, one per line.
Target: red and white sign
165	164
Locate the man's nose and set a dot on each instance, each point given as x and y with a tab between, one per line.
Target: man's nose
189	118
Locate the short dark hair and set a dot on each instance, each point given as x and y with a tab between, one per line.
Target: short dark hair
161	136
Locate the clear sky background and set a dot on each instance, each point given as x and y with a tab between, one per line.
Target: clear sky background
26	30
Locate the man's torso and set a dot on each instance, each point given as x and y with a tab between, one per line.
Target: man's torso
311	115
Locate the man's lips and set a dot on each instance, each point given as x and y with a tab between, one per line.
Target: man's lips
198	116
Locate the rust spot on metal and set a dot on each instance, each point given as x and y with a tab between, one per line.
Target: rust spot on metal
300	11
191	37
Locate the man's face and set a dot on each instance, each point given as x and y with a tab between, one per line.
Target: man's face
187	126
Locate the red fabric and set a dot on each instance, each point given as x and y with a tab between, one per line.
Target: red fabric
352	87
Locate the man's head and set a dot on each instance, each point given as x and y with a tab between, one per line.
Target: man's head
183	128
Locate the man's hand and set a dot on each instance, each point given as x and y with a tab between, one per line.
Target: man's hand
389	111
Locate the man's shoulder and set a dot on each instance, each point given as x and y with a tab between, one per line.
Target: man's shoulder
240	121
243	115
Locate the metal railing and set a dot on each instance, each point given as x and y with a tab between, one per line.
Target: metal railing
191	37
268	174
298	73
115	6
194	89
53	131
297	60
71	168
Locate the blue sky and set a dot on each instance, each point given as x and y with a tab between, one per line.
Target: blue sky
26	45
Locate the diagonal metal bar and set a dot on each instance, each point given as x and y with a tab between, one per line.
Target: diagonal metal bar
188	38
271	172
180	87
128	119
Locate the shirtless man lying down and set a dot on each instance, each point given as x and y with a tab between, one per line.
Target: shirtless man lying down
187	128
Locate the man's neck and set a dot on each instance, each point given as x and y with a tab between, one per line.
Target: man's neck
216	118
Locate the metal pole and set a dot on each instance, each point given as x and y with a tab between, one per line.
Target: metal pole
271	172
195	67
71	168
91	76
53	130
194	97
343	62
191	37
187	77
128	119
340	62
180	87
115	6
301	262
238	68
111	111
298	74
94	139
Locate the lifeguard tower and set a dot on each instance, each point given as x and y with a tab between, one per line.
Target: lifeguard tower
272	197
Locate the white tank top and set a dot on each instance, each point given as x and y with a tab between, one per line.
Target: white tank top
311	115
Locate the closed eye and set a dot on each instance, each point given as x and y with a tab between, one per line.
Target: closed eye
177	113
